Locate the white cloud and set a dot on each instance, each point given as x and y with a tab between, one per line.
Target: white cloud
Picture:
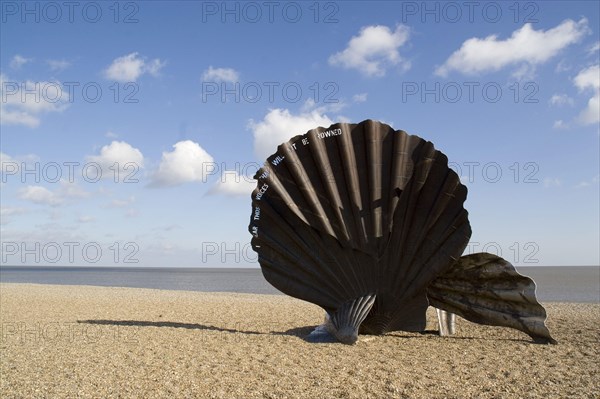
359	98
590	114
130	67
39	195
153	67
168	227
111	135
552	182
562	66
8	163
560	124
126	68
71	190
594	48
343	119
58	65
18	61
588	183
7	213
11	210
310	105
589	80
279	125
561	99
188	162
14	117
86	219
52	215
129	160
220	75
42	195
373	50
121	203
132	213
232	184
525	46
524	72
23	102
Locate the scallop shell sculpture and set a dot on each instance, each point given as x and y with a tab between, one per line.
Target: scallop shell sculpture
368	223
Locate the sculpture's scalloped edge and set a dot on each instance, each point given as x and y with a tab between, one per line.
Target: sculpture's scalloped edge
486	289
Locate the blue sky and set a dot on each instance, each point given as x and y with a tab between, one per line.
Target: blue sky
130	131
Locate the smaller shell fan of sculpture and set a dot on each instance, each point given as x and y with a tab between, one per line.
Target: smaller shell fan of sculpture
486	289
359	219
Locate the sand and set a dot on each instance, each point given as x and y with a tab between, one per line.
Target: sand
97	342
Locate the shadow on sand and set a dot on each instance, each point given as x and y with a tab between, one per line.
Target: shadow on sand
300	332
305	333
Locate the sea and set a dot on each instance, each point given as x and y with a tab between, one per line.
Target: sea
554	283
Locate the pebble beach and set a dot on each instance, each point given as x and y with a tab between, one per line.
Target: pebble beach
107	342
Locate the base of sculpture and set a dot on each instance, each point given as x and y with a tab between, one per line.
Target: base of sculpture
328	333
348	334
446	322
345	321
